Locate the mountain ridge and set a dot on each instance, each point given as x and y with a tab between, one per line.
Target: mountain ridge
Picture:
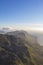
19	49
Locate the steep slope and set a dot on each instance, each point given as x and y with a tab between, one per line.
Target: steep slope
20	48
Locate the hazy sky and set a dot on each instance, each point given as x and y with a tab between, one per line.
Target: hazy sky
18	12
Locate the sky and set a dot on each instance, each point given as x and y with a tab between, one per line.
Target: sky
21	12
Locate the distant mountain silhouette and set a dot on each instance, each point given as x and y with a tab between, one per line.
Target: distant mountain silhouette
2	32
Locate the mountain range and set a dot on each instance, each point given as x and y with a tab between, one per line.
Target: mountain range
20	48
